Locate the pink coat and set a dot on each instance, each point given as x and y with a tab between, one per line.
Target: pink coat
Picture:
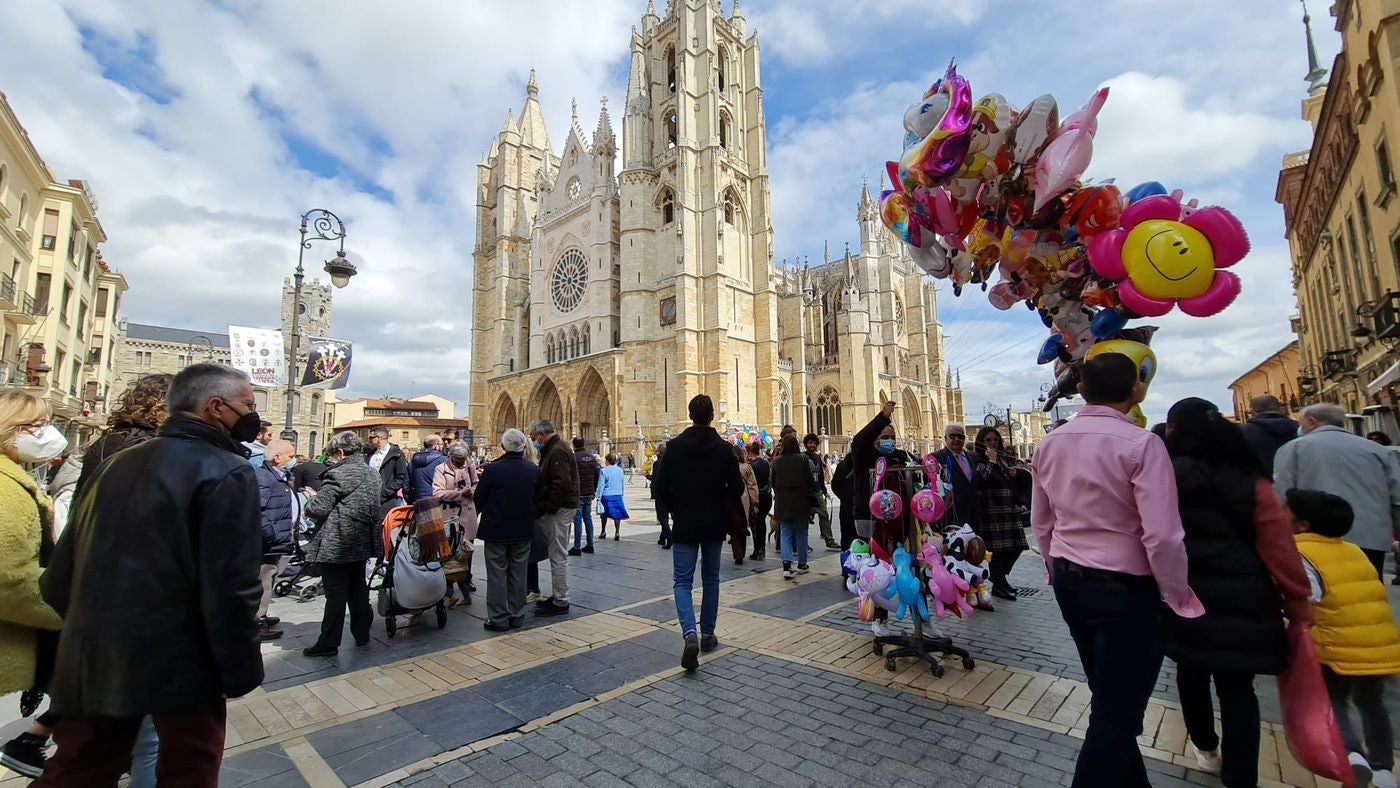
454	487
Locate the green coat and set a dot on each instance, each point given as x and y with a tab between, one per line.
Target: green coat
25	513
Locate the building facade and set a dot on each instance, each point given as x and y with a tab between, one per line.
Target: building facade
409	421
1276	375
59	298
148	349
1342	220
605	301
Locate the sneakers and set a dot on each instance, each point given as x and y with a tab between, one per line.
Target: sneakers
1383	778
1360	768
266	632
708	643
548	607
803	569
24	754
533	596
881	629
787	572
1209	760
588	549
574	551
832	544
690	657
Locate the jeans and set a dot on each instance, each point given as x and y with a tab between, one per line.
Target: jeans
345	586
1115	622
1239	720
794	533
583	517
683	557
145	755
1368	693
505	581
94	752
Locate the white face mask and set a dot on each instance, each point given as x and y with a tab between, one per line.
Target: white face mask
40	446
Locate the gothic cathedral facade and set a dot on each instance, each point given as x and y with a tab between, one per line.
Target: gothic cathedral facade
605	300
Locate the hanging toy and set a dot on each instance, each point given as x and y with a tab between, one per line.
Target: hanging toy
964	553
926	506
907	586
948	591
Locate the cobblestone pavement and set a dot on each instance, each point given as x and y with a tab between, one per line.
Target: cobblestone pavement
794	696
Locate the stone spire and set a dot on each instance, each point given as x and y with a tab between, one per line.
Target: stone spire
636	114
532	128
736	19
826	251
867	209
1317	75
604	141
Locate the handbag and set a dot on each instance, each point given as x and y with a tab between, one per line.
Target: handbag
1308	722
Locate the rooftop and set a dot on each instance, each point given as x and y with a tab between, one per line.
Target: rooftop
178	336
406	421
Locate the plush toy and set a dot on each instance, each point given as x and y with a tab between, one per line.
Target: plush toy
948	591
910	595
964	554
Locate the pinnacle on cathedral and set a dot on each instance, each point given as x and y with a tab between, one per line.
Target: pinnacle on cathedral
604	142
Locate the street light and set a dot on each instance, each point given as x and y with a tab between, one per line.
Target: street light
189	350
323	226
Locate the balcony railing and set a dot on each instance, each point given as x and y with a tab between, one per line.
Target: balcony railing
7	289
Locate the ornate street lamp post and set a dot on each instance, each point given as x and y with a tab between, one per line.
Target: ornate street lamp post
322	226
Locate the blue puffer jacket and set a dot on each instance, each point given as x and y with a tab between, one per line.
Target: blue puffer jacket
420	474
276	500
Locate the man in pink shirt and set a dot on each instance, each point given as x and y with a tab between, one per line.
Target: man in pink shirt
1104	509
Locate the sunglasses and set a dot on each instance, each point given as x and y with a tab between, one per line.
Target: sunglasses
957	436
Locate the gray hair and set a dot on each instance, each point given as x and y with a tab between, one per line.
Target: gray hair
196	384
459	451
347	442
382	432
432	442
1325	413
513	440
543	425
661	448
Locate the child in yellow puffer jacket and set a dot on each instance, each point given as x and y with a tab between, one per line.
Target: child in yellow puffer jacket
1354	631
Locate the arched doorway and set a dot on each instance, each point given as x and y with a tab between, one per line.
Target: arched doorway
503	417
546	404
594	408
913	415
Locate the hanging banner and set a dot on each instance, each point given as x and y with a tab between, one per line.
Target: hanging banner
259	353
327	364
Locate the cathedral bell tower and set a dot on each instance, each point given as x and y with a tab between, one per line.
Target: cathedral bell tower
699	310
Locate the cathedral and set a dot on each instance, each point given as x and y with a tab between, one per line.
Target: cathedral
606	298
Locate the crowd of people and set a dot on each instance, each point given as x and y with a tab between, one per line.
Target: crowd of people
1199	540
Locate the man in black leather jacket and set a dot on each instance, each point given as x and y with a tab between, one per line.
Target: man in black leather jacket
156	578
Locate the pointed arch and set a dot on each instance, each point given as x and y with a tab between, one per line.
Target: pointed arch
545	403
503	416
573	342
666	202
673	128
669	61
594	409
585	339
827	412
784	403
722	69
913	414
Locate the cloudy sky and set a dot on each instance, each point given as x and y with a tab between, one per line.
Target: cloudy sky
206	127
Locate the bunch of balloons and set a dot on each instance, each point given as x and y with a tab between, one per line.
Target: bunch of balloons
985	191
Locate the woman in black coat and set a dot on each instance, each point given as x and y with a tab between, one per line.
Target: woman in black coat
1001	520
792	493
1245	568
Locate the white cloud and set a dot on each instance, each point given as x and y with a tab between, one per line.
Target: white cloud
806	33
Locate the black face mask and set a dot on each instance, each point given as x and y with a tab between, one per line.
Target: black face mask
246	428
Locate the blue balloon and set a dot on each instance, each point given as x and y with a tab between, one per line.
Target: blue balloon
1148	189
1050	350
1107	323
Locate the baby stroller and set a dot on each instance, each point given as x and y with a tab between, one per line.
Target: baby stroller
409	576
297	578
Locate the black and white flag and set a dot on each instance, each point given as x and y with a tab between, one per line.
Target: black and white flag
327	364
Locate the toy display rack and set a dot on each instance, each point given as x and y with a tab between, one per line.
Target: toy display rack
916	645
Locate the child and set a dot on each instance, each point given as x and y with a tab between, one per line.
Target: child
1355	635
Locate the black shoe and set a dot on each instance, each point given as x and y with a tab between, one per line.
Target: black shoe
738	562
320	651
690	657
708	643
588	549
517	623
986	607
24	754
666	546
490	627
1001	593
266	632
617	536
362	643
832	544
471	587
271	621
550	608
575	551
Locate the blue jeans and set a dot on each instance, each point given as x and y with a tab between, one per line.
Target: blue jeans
143	755
683	557
583	516
794	536
1115	620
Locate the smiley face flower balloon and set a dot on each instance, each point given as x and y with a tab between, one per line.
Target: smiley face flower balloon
1161	259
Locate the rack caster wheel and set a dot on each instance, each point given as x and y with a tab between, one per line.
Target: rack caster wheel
936	670
889	664
969	663
879	649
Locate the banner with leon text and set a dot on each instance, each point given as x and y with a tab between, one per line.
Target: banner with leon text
259	353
